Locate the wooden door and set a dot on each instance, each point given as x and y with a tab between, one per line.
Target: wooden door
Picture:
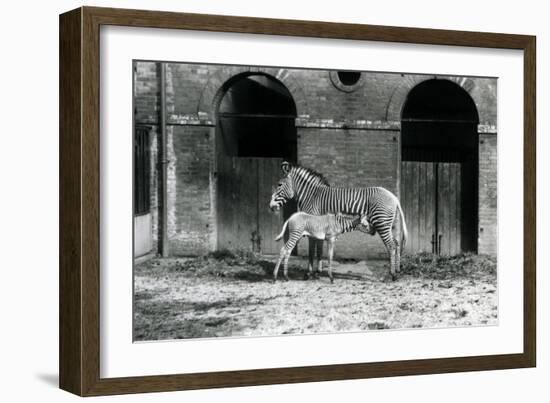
244	187
449	207
432	198
418	200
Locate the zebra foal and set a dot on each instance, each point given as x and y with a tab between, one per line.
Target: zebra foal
325	227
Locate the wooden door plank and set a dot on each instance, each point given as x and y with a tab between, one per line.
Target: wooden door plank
233	182
430	204
424	208
403	193
459	224
443	208
223	200
458	199
418	203
247	208
455	195
269	223
408	198
264	221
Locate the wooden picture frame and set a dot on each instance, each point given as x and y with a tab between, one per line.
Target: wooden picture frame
79	346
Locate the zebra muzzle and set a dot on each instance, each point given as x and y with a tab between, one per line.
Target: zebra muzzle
274	207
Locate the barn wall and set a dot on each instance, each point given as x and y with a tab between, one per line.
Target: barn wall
345	135
147	93
486	91
190	216
487	242
484	94
324	101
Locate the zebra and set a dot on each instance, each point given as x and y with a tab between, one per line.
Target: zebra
314	195
327	226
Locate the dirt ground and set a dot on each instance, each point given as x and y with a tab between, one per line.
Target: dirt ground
232	294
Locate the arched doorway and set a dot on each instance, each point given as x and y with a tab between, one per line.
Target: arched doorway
439	168
255	132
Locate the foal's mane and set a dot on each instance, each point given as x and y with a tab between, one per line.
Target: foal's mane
319	176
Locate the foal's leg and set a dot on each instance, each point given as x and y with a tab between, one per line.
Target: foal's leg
284	254
283	257
319	253
311	251
286	264
276	269
330	256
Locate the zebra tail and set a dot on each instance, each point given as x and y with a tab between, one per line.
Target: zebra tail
403	226
283	231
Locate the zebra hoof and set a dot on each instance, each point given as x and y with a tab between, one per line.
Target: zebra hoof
393	277
331	280
286	278
306	276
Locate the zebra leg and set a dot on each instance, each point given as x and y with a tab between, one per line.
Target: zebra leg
397	255
284	254
319	253
392	263
311	251
330	256
276	269
286	264
387	237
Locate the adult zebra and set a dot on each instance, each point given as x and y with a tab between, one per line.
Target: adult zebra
314	195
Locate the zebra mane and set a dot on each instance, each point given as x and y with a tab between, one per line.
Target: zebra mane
313	173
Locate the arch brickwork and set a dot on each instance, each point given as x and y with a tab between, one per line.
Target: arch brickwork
399	96
214	90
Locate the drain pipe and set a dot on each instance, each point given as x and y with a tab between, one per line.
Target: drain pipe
163	159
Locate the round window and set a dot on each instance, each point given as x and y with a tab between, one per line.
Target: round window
346	81
349	77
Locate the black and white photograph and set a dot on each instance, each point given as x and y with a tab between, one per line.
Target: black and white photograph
272	201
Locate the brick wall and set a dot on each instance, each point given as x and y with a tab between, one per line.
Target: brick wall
351	157
324	101
484	94
191	218
147	92
487	242
187	82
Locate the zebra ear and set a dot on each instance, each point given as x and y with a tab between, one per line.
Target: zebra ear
285	167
